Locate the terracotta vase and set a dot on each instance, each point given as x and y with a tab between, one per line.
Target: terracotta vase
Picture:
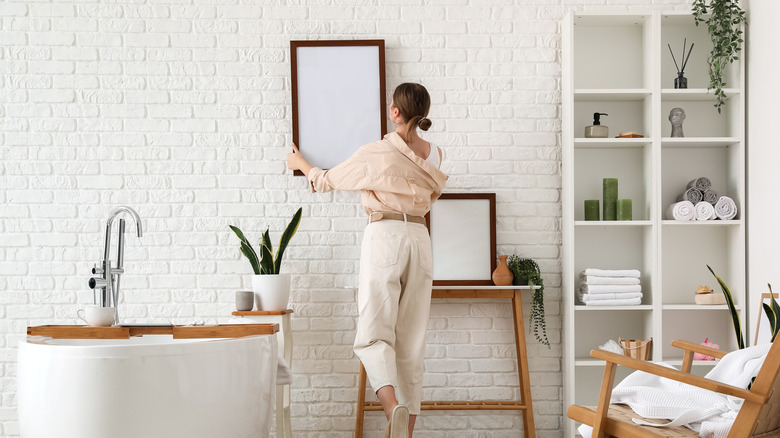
502	276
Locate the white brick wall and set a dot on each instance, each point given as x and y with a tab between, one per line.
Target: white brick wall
182	110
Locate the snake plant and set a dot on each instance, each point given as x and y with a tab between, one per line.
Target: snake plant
267	263
732	309
772	313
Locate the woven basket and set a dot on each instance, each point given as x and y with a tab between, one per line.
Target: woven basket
637	348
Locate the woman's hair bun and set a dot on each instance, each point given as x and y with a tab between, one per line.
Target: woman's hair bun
425	123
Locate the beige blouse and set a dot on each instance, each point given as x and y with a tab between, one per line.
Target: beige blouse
390	176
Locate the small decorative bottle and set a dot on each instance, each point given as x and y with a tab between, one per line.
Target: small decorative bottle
597	130
502	276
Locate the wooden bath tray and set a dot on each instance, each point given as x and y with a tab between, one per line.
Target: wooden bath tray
178	331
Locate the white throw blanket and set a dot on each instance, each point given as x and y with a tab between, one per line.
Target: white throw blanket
611	272
725	208
681	211
594	279
707	412
704	211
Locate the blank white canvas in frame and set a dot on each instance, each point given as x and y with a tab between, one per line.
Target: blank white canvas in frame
339	106
460	236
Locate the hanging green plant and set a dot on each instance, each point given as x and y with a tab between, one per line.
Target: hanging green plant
526	271
724	20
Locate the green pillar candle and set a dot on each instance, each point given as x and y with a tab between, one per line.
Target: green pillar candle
624	210
591	209
610	191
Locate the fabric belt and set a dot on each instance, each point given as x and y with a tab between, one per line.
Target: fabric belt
376	216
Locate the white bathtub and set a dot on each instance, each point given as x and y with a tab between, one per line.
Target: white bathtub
146	387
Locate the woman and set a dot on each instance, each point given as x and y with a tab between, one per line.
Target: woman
399	179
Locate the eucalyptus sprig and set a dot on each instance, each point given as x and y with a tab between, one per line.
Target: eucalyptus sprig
724	20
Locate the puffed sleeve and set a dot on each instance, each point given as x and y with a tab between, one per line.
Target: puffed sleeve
352	174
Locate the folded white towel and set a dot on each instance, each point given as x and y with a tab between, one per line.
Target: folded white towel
681	211
622	302
704	211
725	208
593	279
611	272
598	297
610	289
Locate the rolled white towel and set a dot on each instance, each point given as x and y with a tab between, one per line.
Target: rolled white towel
611	345
704	211
610	289
621	302
594	279
611	272
725	208
598	297
681	211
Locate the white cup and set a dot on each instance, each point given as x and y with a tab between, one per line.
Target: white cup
97	316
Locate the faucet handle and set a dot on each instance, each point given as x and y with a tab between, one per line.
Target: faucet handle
96	270
97	283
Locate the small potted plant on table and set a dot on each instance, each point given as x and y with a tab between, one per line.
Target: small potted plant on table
272	289
527	272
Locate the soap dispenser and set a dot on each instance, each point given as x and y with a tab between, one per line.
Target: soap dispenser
597	130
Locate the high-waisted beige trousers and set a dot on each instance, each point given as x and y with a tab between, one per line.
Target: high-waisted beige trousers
394	300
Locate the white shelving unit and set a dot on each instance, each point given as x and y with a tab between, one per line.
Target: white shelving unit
620	65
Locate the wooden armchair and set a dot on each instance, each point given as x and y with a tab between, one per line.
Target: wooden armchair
758	417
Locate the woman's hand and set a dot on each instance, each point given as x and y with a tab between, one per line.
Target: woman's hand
296	161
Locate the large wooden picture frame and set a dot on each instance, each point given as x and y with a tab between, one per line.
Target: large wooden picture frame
463	238
338	98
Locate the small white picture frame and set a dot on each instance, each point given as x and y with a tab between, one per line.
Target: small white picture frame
463	239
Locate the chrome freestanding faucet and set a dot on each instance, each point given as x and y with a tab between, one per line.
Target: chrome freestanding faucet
108	282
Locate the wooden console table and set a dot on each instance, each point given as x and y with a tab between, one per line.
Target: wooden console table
523	405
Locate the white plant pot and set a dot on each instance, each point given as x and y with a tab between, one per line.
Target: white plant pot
272	292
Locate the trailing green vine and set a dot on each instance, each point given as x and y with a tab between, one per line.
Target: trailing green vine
724	20
529	270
